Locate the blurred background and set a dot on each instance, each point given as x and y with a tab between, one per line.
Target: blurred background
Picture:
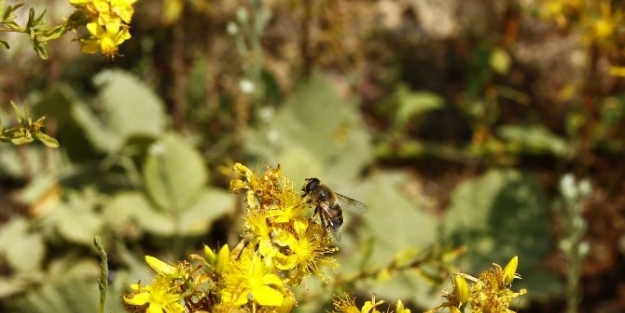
475	130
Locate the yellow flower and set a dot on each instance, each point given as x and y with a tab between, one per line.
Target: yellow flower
160	297
605	26
107	22
307	254
123	9
106	39
250	279
488	293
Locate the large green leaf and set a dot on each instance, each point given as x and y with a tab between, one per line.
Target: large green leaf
134	206
131	108
212	204
498	215
314	122
23	250
393	223
77	123
174	174
68	296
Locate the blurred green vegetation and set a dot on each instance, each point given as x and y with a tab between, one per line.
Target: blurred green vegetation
457	123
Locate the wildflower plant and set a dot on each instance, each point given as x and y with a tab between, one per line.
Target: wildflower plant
489	293
27	131
107	23
283	243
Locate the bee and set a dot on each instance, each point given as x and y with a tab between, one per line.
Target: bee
329	205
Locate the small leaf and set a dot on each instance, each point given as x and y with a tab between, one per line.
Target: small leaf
18	114
3	4
533	139
47	140
39	19
31	18
40	48
51	33
412	103
21	137
500	61
5	44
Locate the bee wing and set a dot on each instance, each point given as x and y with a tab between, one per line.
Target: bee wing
351	205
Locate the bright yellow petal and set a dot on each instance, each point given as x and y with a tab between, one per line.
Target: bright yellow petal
95	29
268	296
90	46
160	266
154	308
272	279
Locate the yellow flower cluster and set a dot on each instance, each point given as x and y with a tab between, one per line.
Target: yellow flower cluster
489	293
107	22
596	19
282	245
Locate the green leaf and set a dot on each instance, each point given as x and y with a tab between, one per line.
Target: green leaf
393	223
50	33
40	48
130	107
31	18
68	296
174	174
26	253
133	206
47	140
314	121
212	204
80	227
411	103
500	61
5	44
533	139
3	4
39	19
122	208
12	285
18	114
11	231
498	215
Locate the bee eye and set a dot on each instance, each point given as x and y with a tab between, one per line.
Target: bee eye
311	184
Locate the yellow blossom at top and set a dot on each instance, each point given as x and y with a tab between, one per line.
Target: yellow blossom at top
107	22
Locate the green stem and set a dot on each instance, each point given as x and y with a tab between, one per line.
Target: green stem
103	280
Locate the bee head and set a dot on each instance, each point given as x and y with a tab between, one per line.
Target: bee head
311	184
